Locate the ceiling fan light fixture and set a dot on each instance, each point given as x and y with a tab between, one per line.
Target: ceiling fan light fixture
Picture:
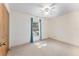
48	10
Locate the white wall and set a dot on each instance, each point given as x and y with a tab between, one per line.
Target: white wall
65	28
20	28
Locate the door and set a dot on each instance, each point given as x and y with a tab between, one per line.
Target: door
4	27
36	32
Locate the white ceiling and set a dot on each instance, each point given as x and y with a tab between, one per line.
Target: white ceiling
34	8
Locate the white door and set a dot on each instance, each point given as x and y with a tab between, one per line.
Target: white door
36	31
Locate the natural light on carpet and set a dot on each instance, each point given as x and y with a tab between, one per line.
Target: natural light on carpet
40	44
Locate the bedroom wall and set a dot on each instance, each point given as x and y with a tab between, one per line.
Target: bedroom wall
20	28
65	28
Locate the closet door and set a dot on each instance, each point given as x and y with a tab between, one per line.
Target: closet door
6	26
4	23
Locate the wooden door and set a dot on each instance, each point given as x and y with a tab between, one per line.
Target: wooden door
4	27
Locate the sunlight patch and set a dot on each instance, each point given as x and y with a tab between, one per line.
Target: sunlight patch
40	44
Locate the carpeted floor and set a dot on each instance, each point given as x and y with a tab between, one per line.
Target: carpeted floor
47	47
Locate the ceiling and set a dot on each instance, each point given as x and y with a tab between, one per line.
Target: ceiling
34	8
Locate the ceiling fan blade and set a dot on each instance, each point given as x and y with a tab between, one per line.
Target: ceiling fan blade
52	4
53	8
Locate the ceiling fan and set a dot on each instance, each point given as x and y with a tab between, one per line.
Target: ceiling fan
48	9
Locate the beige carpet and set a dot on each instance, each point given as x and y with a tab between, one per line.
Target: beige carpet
47	47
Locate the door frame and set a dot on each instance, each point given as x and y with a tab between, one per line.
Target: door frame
31	40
